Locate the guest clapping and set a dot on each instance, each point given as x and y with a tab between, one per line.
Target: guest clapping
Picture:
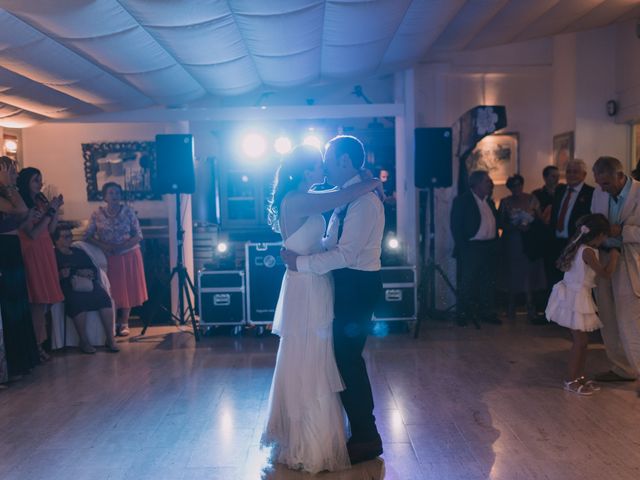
37	251
83	289
116	230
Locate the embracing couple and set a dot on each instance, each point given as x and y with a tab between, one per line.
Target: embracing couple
324	312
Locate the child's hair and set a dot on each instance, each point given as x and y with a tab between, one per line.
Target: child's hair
588	228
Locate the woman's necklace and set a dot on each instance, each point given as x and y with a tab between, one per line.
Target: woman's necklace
111	214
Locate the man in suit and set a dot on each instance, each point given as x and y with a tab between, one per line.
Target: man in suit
618	198
474	225
571	201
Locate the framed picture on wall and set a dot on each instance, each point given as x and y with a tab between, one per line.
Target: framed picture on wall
129	164
498	154
562	150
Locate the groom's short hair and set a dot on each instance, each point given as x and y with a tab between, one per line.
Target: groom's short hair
607	166
347	144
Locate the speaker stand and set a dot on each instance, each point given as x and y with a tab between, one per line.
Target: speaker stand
186	287
430	268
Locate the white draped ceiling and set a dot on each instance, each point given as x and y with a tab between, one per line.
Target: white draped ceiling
63	59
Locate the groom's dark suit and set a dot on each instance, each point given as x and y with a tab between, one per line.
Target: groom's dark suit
353	242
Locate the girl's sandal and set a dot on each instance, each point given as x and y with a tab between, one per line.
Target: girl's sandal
590	383
577	387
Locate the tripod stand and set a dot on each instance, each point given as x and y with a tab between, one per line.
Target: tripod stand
186	287
430	269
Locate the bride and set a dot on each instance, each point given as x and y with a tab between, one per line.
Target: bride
306	424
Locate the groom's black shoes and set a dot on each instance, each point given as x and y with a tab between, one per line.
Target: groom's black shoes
361	452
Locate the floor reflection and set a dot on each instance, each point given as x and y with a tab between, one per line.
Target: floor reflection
371	470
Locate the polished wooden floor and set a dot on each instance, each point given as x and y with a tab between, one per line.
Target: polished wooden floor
455	404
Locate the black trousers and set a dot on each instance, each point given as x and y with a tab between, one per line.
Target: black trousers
476	271
356	295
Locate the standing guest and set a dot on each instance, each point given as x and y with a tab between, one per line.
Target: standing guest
520	273
116	230
474	226
571	202
618	198
37	250
18	338
83	289
571	302
546	193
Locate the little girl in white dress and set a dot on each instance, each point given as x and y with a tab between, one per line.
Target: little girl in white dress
571	302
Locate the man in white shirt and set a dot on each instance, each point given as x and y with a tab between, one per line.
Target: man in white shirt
475	232
353	245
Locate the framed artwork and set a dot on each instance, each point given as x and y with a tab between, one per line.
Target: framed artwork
129	164
497	154
562	150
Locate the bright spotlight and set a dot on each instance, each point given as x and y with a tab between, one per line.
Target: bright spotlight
245	178
313	140
254	145
222	247
282	145
393	243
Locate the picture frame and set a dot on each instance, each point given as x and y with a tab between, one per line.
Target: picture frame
498	154
132	165
563	150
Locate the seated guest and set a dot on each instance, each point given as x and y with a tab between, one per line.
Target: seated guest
116	230
546	193
37	251
520	271
20	351
84	290
474	227
571	201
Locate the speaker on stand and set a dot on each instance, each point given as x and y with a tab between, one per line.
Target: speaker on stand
433	169
175	175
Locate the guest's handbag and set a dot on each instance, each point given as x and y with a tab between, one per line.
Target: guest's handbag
81	284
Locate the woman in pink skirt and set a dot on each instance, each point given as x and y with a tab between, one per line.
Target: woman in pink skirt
116	230
37	250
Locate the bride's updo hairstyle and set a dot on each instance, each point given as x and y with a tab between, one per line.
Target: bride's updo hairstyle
288	177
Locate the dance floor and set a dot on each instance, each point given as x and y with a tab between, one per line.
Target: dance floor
455	404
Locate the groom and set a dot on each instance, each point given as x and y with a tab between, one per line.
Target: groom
353	246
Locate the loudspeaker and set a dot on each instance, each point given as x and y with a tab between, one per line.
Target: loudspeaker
433	167
174	164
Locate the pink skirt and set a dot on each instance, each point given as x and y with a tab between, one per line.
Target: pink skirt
41	268
126	276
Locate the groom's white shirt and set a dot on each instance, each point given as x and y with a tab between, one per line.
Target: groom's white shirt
361	241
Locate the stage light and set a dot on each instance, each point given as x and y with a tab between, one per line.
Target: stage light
313	140
222	247
244	179
254	145
393	243
282	145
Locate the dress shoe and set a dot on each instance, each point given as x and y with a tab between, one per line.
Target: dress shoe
361	452
611	376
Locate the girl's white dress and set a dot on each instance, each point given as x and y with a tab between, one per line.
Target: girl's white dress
571	302
306	423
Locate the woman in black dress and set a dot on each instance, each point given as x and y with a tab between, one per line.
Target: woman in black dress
83	292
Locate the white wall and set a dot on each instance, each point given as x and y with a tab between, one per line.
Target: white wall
627	71
56	150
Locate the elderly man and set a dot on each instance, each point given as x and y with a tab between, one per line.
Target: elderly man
618	198
475	233
571	201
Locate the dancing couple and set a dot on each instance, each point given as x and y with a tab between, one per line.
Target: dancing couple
324	312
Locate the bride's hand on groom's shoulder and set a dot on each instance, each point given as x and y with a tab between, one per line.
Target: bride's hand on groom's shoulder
289	258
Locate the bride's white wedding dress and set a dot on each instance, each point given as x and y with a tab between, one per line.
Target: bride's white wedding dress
306	423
